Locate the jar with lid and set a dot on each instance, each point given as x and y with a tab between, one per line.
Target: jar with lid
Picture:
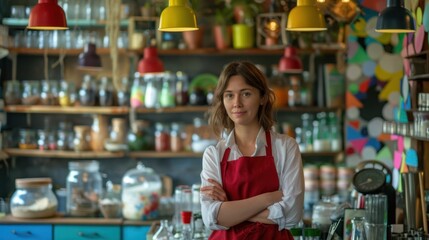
43	140
152	93
162	137
105	92
49	93
182	86
279	87
294	92
176	137
141	136
30	92
65	136
118	133
138	89
27	139
141	191
12	93
166	98
67	93
87	91
33	198
84	188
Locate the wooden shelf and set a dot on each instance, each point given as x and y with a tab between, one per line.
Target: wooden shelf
320	154
16	152
22	22
66	110
154	154
310	109
421	77
178	109
418	55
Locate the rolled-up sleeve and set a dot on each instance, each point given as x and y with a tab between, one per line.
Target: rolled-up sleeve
210	170
289	211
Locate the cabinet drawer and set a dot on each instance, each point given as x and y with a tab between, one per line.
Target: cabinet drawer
27	232
76	232
135	232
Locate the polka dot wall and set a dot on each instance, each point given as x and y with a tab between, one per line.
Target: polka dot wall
378	89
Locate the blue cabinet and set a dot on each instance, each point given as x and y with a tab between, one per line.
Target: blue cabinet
135	232
84	232
26	232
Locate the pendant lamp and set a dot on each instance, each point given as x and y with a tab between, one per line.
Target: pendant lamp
150	63
177	17
395	18
290	62
47	15
89	59
306	17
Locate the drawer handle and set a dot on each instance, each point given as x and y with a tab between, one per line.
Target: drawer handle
21	233
88	235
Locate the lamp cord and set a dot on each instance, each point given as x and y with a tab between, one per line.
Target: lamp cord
112	29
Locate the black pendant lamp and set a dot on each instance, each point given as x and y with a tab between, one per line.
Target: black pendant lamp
395	18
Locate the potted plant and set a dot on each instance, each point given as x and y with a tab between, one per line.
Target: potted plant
222	30
194	39
243	34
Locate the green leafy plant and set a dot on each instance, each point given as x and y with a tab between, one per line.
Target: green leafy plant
223	14
245	11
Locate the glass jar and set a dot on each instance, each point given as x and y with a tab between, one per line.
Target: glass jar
141	136
30	93
152	92
138	91
82	138
87	91
182	86
118	133
43	140
123	93
162	233
67	94
12	93
279	87
33	198
27	139
65	136
162	137
84	188
166	98
141	191
49	93
176	137
294	92
105	92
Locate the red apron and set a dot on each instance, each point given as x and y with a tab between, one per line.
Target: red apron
247	177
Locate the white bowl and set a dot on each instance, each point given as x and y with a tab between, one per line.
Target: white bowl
201	145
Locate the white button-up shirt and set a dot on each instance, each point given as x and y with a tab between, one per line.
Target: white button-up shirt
287	158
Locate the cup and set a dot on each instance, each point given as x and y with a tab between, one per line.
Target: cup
376	209
375	231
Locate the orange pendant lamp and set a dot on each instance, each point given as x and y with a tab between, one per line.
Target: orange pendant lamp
47	15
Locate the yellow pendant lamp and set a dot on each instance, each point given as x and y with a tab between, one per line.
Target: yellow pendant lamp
177	17
306	17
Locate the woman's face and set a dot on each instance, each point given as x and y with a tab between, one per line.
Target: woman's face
241	101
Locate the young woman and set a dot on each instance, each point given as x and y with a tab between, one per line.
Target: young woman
252	180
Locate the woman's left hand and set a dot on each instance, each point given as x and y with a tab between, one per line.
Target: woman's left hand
215	191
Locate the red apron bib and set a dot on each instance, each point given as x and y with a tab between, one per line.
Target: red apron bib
247	177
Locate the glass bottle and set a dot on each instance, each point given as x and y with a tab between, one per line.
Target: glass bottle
321	134
87	92
180	199
307	131
186	225
42	141
197	220
141	136
176	140
279	87
162	233
166	98
334	129
138	91
294	92
123	94
67	94
358	229
105	92
99	132
152	92
182	85
84	188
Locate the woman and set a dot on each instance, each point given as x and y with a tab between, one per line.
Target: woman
252	180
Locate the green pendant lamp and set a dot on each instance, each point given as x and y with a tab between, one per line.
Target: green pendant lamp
47	15
395	18
306	17
177	17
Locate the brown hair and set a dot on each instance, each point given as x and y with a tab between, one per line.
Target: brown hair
218	117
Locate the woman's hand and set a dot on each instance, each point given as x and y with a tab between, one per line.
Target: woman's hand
215	191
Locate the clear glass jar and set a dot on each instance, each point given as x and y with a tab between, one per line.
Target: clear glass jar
294	92
81	141
12	93
33	198
67	94
87	91
49	93
43	140
162	233
141	191
138	91
176	137
30	93
141	136
152	91
166	98
105	92
27	139
123	94
84	188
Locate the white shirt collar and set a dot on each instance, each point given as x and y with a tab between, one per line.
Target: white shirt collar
261	140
